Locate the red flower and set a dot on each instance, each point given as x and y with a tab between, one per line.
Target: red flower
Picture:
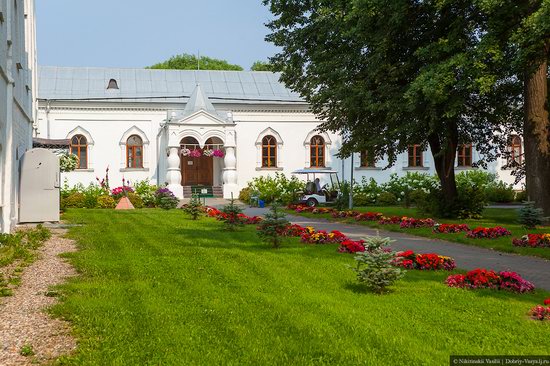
547	302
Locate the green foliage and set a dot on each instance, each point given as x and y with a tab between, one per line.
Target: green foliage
278	188
272	227
26	350
401	187
106	202
245	194
67	162
386	75
342	201
521	196
75	200
189	62
386	199
231	218
418	197
530	217
261	66
135	199
366	193
194	208
165	199
500	192
376	242
375	270
146	191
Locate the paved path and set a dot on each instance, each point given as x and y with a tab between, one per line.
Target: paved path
536	270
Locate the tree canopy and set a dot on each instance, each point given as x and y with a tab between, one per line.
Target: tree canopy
189	62
387	75
261	66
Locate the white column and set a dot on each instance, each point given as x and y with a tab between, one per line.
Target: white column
173	174
230	170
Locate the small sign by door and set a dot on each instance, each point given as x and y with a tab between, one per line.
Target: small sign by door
190	162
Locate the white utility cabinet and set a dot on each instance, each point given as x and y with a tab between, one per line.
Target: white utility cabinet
39	193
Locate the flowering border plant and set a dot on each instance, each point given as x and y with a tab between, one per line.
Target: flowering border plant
424	262
487	232
533	241
450	228
412	223
483	278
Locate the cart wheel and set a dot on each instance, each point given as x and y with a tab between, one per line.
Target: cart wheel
311	202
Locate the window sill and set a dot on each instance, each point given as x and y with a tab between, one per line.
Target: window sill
277	169
317	168
134	169
82	171
416	168
368	168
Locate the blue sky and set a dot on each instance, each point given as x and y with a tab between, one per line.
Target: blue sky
138	33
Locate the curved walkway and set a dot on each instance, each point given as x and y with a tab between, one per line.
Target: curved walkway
536	270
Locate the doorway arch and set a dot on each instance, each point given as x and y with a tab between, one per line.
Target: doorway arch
196	169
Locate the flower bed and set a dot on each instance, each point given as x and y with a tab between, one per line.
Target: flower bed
294	230
424	262
369	216
392	220
344	214
533	241
351	246
412	223
247	220
483	278
450	228
311	236
488	232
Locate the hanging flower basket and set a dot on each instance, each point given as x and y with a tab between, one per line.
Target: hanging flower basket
185	152
196	153
207	152
218	153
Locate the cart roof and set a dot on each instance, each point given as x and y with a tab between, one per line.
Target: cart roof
314	171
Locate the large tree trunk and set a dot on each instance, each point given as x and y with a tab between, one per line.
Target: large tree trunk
536	136
444	159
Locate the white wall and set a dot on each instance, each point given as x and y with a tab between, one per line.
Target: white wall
17	113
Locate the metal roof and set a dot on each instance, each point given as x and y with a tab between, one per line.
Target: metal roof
161	85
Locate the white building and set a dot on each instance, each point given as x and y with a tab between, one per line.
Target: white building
17	109
140	123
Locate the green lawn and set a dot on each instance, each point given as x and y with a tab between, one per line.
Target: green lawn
505	217
156	288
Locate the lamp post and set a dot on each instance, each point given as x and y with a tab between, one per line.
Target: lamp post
351	185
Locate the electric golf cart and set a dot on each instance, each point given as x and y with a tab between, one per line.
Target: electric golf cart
314	193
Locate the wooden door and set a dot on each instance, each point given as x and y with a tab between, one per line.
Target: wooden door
197	171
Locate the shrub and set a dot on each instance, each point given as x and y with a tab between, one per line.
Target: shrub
278	188
376	271
521	196
106	202
386	199
271	230
231	216
500	192
136	200
194	207
165	199
146	191
530	217
121	191
417	197
342	201
376	242
471	199
75	200
92	193
366	192
245	194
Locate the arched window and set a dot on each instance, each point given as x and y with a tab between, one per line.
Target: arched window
515	149
317	152
134	152
416	156
465	155
367	159
269	152
79	147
